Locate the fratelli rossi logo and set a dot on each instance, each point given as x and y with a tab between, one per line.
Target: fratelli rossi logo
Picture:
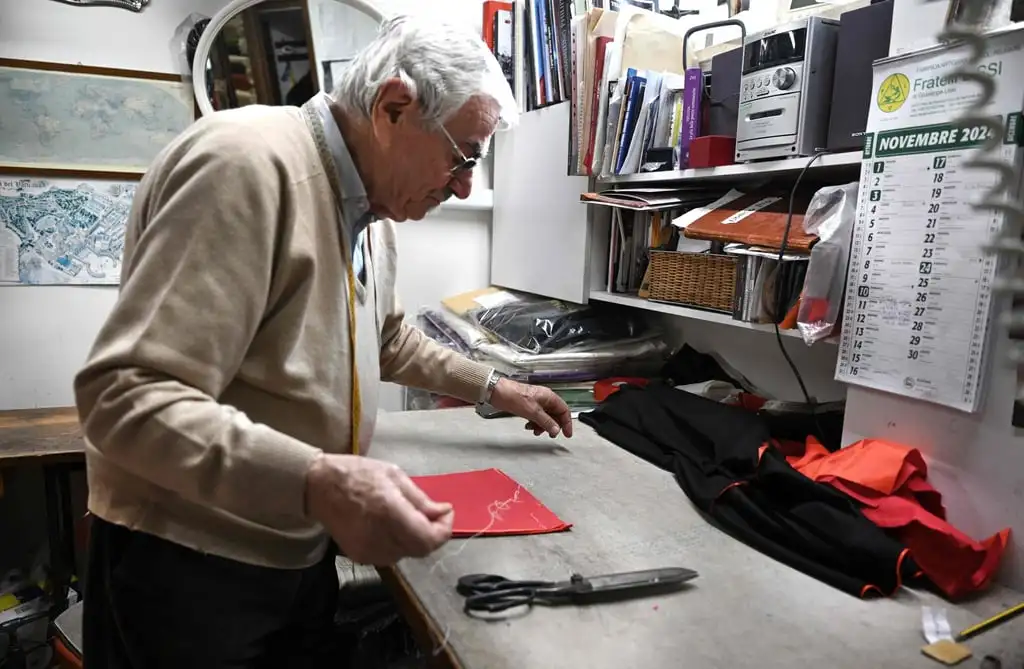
893	92
896	88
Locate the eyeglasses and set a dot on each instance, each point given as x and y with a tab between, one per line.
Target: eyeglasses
465	164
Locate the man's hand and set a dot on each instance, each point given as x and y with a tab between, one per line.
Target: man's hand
541	407
374	511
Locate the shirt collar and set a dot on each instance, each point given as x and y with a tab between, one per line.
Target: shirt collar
355	206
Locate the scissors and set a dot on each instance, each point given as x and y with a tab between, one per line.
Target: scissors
133	5
491	594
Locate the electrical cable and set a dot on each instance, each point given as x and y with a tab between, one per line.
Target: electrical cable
1001	196
780	308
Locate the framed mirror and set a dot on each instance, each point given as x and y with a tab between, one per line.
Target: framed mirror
262	55
276	52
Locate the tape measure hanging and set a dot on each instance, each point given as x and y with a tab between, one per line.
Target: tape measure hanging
316	125
357	401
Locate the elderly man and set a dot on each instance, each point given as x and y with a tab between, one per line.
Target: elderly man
233	390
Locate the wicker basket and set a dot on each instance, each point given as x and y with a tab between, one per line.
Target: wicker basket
699	280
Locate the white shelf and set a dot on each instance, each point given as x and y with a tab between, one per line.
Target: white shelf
848	162
478	200
692	314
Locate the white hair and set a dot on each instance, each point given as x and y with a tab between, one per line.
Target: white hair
443	65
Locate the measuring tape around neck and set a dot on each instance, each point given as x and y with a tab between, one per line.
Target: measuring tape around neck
357	401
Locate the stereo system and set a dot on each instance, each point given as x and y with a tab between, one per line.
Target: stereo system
786	90
802	87
726	70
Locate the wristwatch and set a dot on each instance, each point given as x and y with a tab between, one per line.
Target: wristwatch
492	382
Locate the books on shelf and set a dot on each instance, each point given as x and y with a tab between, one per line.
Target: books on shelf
545	26
765	289
691	110
627	84
633	236
632	113
499	34
761	281
648	198
618	64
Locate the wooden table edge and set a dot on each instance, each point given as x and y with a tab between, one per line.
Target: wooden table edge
423	626
43	458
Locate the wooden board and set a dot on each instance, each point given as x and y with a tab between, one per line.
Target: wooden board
40	436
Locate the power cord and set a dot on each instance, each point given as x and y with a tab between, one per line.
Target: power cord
780	309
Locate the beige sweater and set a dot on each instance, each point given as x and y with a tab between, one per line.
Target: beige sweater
224	368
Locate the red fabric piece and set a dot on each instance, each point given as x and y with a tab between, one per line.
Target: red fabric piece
750	402
605	388
489	502
817	308
891	482
445	402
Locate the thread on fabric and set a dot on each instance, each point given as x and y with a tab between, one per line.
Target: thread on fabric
494	510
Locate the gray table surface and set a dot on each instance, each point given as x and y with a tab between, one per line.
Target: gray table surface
745	609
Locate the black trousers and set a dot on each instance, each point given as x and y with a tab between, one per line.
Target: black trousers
153	604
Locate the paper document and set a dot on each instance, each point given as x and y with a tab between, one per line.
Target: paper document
652	41
744	250
684	221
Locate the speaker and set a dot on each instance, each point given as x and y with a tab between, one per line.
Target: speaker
863	38
724	106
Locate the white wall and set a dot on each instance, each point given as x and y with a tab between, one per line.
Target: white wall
756	354
45	332
975	460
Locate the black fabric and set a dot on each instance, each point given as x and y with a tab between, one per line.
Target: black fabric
152	604
713	451
688	365
826	425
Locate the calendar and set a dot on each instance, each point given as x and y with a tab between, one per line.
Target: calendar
918	306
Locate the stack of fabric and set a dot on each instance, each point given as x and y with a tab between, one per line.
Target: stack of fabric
567	347
863	518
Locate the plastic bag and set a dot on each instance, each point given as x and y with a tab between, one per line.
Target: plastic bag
539	325
830	215
444	335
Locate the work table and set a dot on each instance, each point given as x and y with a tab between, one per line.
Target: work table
745	609
51	439
40	435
